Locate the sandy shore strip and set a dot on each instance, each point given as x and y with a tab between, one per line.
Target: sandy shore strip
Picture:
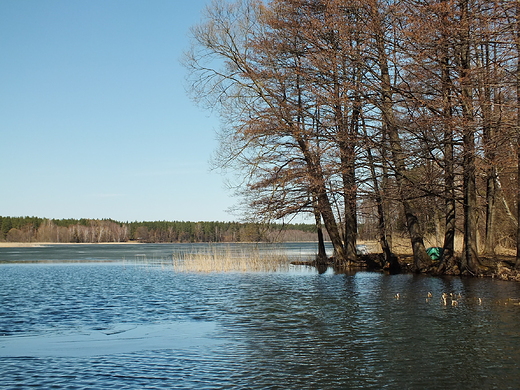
37	244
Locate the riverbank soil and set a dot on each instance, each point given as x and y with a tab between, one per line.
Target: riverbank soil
500	267
5	244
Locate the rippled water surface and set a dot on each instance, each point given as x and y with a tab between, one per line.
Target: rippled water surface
130	325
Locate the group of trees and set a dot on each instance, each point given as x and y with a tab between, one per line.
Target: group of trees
164	231
402	109
33	229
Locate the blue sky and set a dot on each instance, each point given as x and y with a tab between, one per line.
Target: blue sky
95	121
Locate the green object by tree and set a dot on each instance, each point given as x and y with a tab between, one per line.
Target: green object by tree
435	252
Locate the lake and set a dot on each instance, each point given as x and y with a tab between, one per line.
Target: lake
120	316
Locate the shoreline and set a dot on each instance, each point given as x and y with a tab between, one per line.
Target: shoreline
40	244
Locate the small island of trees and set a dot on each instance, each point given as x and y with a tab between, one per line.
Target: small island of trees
406	113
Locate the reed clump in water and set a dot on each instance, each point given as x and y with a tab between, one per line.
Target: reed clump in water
225	260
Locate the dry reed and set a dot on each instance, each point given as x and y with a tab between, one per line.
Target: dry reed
401	245
226	260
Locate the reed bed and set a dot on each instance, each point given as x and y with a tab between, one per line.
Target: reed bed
226	260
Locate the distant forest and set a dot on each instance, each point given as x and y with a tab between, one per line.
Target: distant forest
34	229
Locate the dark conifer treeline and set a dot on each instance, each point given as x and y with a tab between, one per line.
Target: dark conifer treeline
34	229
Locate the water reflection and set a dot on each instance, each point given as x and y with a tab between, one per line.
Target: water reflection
352	326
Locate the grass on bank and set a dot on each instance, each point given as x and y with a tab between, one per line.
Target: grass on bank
401	245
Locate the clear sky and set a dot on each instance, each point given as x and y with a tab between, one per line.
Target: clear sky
95	121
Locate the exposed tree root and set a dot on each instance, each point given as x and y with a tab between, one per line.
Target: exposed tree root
498	267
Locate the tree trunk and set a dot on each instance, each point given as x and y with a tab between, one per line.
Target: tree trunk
421	259
321	257
518	176
346	140
391	263
447	264
517	31
490	238
488	130
340	256
319	192
470	262
389	258
350	212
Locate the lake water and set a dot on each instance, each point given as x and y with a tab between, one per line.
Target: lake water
94	317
